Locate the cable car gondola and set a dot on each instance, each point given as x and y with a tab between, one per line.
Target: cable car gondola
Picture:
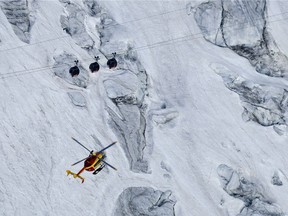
74	71
94	67
112	63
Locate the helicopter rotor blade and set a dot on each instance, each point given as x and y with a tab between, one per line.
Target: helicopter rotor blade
81	144
107	147
109	165
79	161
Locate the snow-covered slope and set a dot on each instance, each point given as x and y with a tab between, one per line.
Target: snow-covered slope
201	124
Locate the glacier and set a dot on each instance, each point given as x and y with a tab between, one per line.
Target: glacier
197	104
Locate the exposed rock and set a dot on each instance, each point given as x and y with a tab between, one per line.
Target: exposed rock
241	26
255	202
144	201
21	19
276	180
63	63
73	24
77	99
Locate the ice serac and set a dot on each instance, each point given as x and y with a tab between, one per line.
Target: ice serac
127	89
73	23
21	19
276	179
264	104
63	62
105	27
208	17
253	196
93	8
242	27
144	201
77	99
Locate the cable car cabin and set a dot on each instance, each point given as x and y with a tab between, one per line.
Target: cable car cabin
112	63
94	67
74	71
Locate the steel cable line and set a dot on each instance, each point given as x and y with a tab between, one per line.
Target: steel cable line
160	43
32	44
106	27
201	34
182	38
143	18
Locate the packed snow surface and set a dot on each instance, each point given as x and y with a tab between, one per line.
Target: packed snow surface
197	104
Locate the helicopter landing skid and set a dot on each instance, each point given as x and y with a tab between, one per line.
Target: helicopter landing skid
99	169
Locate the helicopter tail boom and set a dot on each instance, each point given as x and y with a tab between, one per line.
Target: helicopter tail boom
74	175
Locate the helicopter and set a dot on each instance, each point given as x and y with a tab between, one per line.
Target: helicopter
94	162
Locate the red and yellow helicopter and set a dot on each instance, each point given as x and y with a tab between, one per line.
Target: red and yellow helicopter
94	162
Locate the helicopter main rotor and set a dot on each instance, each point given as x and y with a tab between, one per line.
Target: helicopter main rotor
91	151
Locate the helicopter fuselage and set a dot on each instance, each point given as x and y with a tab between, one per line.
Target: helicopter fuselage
93	161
